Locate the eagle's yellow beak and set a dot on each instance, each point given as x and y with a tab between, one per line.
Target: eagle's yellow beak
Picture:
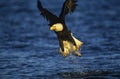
52	28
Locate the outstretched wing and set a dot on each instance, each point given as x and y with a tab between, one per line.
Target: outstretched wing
68	7
44	12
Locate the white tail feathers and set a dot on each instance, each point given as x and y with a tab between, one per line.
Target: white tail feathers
70	48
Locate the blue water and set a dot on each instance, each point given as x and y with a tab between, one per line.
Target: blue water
28	50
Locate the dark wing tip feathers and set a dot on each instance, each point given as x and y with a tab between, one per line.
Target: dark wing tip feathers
39	4
46	14
71	5
68	7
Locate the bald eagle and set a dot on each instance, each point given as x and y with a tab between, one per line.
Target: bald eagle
68	43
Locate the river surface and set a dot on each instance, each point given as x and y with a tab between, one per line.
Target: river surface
28	50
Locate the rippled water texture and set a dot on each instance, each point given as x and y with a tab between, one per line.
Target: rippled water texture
28	50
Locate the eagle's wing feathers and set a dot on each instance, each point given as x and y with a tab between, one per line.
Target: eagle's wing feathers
44	12
68	7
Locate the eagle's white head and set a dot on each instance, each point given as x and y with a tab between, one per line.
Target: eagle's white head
57	27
